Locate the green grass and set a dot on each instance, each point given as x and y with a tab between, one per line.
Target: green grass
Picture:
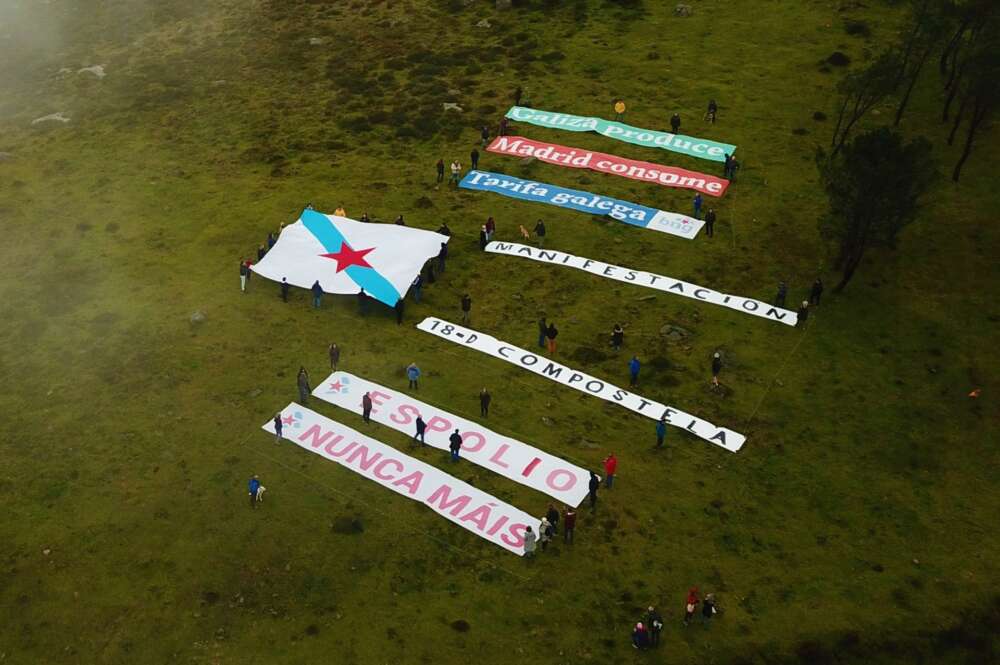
128	434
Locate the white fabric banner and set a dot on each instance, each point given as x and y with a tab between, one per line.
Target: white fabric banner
508	457
463	504
345	256
649	280
720	436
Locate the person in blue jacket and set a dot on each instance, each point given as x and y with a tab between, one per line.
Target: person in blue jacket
317	291
697	206
254	487
661	431
413	374
633	370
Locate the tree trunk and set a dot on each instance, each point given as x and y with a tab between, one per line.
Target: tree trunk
840	120
958	118
952	91
849	269
952	44
979	112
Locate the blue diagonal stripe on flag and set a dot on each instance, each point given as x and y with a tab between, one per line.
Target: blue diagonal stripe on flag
331	238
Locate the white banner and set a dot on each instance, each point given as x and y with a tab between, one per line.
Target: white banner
649	280
508	457
720	436
463	504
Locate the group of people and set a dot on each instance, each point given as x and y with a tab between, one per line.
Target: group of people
815	293
646	632
548	529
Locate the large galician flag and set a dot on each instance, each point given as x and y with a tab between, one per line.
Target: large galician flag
347	256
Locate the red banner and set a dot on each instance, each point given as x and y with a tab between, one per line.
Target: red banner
561	155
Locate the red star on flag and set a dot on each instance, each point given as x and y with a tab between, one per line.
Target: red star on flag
347	257
288	420
336	386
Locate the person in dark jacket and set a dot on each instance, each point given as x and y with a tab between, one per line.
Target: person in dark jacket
442	255
661	431
816	292
710	223
803	314
454	445
569	524
708	609
675	122
542	329
466	309
484	237
716	368
593	486
284	289
317	292
440	171
271	240
261	252
633	371
654	622
244	271
540	232
617	337
550	334
474	158
418	282
697	201
484	402
491	228
552	515
365	218
713	110
362	302
254	488
334	352
421	430
485	134
444	230
779	300
277	428
399	307
366	408
640	637
399	221
727	166
302	380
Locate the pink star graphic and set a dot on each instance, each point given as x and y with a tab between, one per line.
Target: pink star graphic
288	420
336	386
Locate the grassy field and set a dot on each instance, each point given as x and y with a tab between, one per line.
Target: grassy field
854	526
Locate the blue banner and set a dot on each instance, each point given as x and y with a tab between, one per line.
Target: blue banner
594	204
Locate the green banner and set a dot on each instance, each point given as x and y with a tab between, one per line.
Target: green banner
650	138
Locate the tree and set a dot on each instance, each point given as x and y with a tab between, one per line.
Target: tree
928	27
980	93
861	91
874	186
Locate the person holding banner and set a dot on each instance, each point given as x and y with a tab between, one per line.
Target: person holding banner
593	486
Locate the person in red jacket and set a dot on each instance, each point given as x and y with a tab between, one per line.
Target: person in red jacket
692	603
569	524
610	466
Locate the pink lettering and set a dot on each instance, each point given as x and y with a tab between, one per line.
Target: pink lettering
366	461
377	471
317	441
340	453
410	482
443	496
500	453
496	526
438	424
479	516
472	435
569	480
515	535
531	467
378	398
407	412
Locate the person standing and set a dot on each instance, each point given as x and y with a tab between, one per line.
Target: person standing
716	368
260	253
317	292
243	275
456	171
491	228
484	237
366	219
544	533
552	515
654	622
442	255
633	371
661	431
504	123
399	306
303	382
284	289
249	264
421	431
418	281
803	314
444	230
542	329
484	403
413	374
675	122
569	524
517	95
550	334
277	428
713	110
366	407
485	134
271	239
640	637
593	486
710	222
816	292
466	309
690	605
362	302
399	221
455	445
529	542
540	232
440	171
610	466
617	337
254	487
619	110
779	300
708	609
697	205
334	352
474	159
727	166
